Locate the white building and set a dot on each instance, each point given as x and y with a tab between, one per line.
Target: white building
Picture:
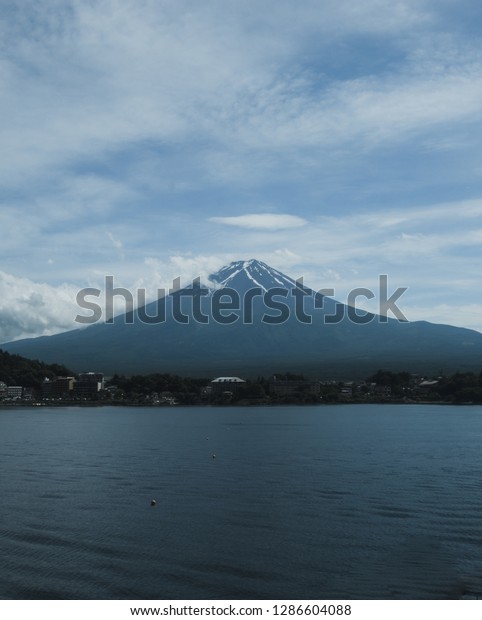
227	384
14	391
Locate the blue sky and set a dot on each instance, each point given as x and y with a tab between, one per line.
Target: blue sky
151	139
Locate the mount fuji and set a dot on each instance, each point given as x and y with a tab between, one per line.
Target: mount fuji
249	320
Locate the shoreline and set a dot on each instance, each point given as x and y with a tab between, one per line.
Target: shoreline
93	404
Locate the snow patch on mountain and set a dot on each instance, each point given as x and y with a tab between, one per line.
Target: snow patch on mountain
249	274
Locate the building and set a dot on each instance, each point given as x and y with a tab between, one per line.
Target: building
227	384
92	377
385	391
14	391
60	387
288	387
89	384
426	387
346	390
3	390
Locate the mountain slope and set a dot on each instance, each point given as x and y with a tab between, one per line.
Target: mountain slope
342	349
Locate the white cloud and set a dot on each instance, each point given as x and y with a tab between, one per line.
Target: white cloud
261	221
115	242
186	267
98	78
30	309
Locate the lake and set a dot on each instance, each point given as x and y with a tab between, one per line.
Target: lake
355	501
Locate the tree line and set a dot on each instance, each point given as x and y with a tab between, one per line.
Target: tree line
459	387
18	370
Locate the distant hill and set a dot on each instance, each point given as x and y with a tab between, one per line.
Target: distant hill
17	370
327	349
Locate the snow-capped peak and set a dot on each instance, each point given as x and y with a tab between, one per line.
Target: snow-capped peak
242	275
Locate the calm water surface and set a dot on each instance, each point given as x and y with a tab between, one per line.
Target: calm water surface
300	502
